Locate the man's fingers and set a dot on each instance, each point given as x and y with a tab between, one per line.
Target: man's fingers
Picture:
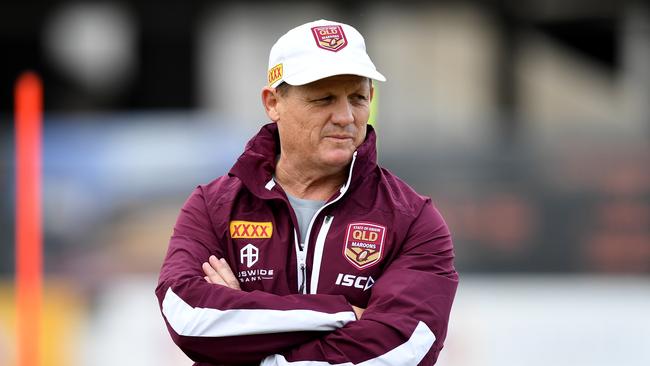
358	311
218	272
224	271
212	275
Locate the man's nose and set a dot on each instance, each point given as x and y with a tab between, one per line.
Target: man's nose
342	113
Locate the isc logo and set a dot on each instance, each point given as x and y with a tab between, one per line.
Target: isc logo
359	282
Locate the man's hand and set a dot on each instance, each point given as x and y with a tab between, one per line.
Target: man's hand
218	272
358	311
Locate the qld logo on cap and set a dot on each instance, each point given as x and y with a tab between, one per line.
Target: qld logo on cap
330	37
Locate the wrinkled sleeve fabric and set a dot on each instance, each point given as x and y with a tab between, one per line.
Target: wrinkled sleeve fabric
405	322
217	325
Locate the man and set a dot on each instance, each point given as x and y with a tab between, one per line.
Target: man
307	252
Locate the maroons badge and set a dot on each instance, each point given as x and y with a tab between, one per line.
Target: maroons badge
364	244
330	37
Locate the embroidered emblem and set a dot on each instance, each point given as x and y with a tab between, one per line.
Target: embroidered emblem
330	37
249	255
275	74
364	244
250	230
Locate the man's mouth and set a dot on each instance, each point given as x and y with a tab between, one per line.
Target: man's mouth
341	137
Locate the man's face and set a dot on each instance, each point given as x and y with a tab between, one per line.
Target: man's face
325	121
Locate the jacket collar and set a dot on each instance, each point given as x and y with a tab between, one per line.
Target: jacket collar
256	164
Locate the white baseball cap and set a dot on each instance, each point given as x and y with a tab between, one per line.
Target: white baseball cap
317	50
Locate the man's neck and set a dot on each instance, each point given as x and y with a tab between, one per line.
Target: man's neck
308	182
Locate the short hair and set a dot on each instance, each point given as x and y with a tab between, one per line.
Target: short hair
283	88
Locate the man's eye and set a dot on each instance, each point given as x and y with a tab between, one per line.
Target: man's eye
324	99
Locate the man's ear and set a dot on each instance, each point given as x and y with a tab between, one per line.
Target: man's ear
270	102
372	91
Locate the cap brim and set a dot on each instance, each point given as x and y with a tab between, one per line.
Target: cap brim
317	73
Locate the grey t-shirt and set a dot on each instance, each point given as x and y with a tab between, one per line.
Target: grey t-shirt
305	210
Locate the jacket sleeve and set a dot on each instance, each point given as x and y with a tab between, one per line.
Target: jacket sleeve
218	325
405	322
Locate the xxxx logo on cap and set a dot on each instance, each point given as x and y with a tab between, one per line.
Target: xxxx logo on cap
364	244
275	74
330	37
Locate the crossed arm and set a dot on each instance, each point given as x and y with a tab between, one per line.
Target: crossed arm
218	272
214	322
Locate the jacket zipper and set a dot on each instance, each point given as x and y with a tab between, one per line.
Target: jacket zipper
301	251
301	254
318	253
301	289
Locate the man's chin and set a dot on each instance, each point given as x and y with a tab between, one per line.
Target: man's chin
338	159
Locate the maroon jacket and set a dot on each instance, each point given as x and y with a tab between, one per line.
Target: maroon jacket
377	244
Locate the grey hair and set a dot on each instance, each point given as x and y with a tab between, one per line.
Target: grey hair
283	88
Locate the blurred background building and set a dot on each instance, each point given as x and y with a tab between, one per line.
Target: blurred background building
527	122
